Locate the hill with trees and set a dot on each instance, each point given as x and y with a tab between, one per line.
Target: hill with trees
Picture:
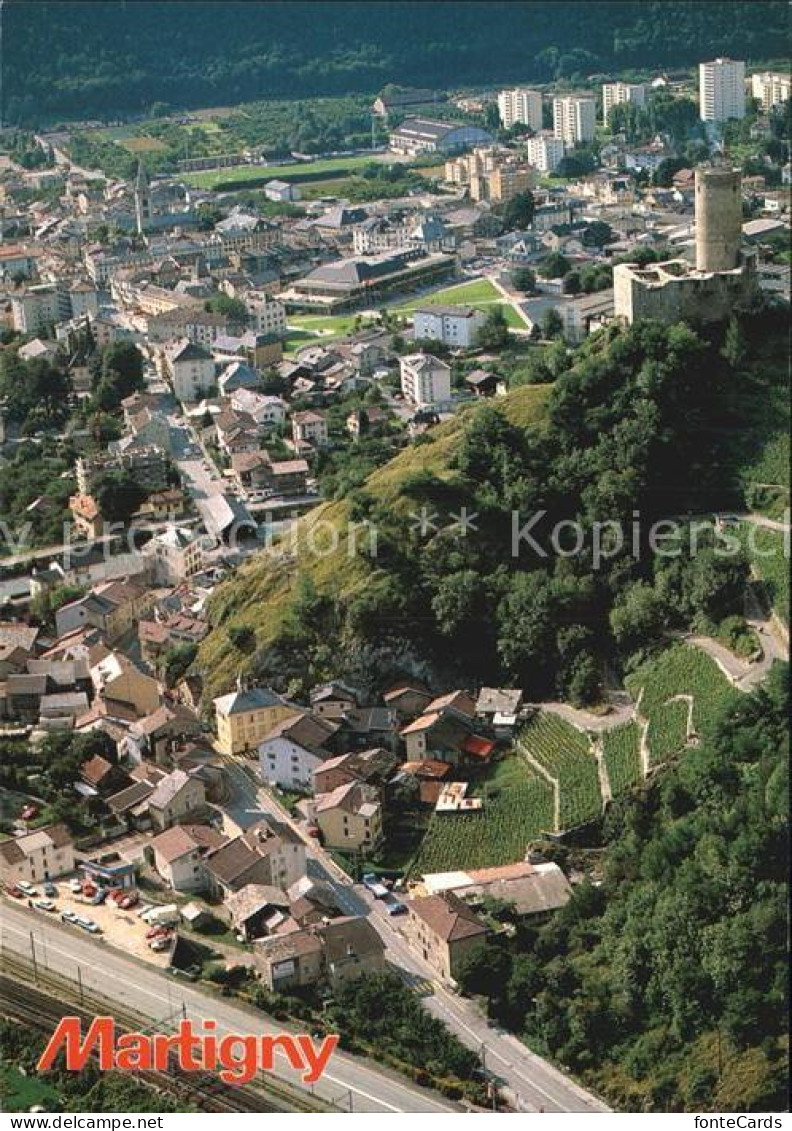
77	59
638	421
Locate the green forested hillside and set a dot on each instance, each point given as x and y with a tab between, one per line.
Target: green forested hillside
81	59
635	424
666	988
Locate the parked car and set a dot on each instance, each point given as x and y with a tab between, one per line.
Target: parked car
75	885
160	943
68	917
375	885
49	889
16	891
98	897
144	910
44	904
156	932
27	888
130	899
393	905
88	925
29	812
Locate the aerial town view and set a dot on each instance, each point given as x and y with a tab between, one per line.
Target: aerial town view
394	559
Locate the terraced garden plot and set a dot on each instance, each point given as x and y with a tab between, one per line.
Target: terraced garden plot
621	750
514	813
567	756
682	670
667	732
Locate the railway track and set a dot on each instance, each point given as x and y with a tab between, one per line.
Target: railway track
41	1009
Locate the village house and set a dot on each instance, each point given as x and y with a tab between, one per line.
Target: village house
371	767
176	797
333	700
111	606
245	717
291	751
176	554
257	910
43	854
178	855
350	817
309	429
337	952
268	853
117	680
86	516
444	930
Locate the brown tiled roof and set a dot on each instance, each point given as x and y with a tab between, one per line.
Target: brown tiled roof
448	917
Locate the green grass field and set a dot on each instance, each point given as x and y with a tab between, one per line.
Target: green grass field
331	166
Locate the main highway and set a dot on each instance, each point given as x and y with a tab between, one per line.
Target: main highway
350	1083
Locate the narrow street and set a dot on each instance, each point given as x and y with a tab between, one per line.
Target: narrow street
530	1082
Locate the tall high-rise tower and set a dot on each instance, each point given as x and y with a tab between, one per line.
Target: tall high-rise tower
718	217
142	199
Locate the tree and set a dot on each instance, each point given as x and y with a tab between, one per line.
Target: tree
524	279
597	234
120	374
233	308
494	333
638	619
518	212
555	266
118	495
734	345
552	323
572	283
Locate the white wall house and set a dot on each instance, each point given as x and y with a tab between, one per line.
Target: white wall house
574	118
191	370
425	380
287	763
452	325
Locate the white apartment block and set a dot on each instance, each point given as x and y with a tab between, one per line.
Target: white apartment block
615	93
38	308
771	88
721	90
425	380
269	315
545	151
574	118
520	105
452	325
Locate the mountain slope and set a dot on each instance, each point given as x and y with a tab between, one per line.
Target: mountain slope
258	597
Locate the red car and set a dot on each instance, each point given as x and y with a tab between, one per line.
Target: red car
29	812
16	892
128	900
157	932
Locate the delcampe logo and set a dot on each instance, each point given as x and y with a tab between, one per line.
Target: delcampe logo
236	1057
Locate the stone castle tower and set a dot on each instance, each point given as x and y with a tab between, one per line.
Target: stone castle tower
718	217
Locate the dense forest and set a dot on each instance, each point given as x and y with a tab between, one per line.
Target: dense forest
665	988
70	60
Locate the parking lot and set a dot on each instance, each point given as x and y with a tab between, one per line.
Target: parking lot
122	929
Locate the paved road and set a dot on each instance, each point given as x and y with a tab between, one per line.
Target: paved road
531	1083
349	1081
